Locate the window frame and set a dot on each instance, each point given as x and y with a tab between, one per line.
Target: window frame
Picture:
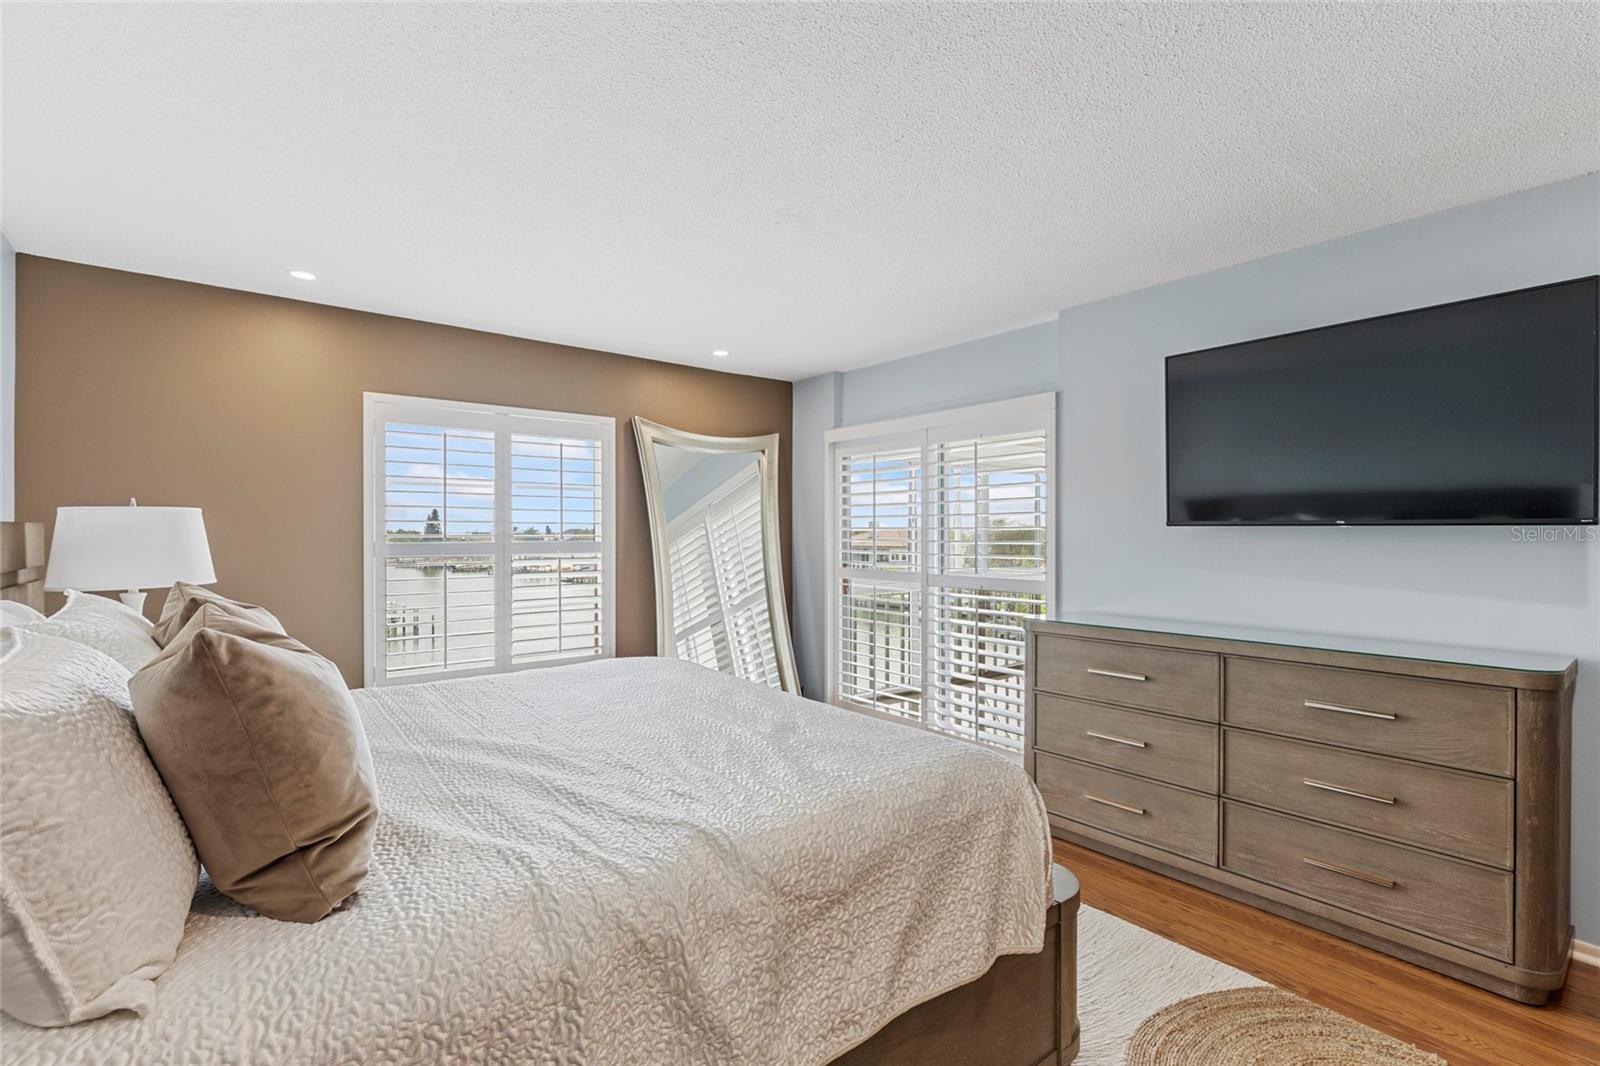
999	418
379	408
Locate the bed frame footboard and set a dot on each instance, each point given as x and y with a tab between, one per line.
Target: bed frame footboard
1023	1012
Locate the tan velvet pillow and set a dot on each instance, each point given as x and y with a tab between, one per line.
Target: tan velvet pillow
185	599
263	752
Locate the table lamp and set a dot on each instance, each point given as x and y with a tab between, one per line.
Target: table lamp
134	548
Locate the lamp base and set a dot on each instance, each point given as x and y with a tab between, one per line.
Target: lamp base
135	599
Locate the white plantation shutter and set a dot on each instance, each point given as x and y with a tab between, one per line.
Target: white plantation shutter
880	509
879	658
734	521
708	647
719	586
696	605
942	556
754	654
991	506
488	538
879	595
440	603
557	528
557	607
989	575
976	641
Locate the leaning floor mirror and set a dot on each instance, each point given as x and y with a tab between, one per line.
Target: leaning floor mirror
714	534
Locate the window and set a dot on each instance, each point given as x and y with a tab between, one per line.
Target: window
719	589
942	552
489	542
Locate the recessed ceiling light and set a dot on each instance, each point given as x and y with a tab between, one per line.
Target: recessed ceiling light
720	353
302	275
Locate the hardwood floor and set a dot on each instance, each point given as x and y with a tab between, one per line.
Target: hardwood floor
1463	1024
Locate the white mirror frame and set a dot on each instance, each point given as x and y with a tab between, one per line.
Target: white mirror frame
765	449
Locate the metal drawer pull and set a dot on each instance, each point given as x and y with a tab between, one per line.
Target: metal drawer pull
1315	706
1349	792
1115	740
1118	806
1359	875
1117	673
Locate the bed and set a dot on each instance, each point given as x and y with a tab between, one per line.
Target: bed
640	861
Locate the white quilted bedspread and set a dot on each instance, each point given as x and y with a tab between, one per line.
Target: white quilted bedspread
632	862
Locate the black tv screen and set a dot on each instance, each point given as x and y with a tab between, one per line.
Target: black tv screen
1478	412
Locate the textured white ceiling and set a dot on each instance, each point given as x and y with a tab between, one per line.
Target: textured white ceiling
813	187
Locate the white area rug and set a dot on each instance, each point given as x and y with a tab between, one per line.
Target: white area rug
1126	974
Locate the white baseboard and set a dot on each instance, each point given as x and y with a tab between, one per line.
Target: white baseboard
1586	953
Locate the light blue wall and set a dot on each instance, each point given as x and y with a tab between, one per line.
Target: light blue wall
1475	586
708	472
1464	585
1016	363
816	410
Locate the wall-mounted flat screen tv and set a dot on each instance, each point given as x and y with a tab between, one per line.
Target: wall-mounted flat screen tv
1481	412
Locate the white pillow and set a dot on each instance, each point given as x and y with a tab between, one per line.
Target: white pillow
96	870
104	625
14	613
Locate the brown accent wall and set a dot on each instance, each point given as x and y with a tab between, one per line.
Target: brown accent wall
250	407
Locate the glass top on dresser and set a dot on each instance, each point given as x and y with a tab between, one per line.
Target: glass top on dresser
1459	655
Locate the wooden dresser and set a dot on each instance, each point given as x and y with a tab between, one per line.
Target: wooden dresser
1412	798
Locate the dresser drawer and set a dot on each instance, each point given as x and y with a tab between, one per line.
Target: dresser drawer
1159	815
1466	726
1174	750
1441	810
1156	679
1454	901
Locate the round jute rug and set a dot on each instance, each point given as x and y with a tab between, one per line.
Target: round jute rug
1263	1027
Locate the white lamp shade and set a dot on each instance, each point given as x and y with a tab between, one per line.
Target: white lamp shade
101	548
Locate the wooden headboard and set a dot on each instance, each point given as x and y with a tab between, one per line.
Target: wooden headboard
22	563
